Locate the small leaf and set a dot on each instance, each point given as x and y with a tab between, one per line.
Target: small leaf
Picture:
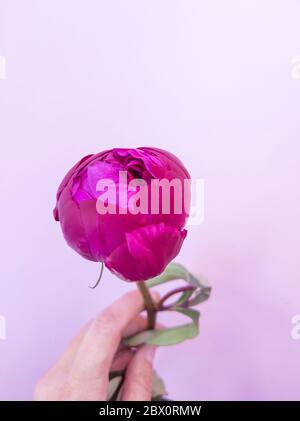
201	296
197	292
173	271
120	393
183	298
113	385
168	336
158	386
139	338
176	271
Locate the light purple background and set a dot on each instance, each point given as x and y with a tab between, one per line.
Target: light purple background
208	80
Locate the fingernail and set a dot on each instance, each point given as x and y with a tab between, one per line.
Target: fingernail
149	352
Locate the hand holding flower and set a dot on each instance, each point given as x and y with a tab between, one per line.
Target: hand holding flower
83	370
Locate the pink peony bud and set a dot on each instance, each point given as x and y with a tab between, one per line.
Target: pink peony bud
134	240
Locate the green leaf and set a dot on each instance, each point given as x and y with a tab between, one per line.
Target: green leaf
183	298
158	387
199	292
177	271
113	385
173	271
200	296
120	393
168	336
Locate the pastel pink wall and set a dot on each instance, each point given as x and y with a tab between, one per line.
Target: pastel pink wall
210	81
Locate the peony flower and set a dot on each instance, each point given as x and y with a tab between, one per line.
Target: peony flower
106	220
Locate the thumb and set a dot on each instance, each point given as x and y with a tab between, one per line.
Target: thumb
139	374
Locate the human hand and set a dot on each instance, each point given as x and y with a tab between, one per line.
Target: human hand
82	372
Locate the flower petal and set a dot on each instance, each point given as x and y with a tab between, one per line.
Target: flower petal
90	220
147	252
72	226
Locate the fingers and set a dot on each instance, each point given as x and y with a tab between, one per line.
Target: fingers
139	374
135	326
88	377
82	371
122	360
66	359
140	323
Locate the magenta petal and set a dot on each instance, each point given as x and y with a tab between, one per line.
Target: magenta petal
173	167
70	174
113	229
136	247
90	221
153	164
68	178
98	171
72	226
158	244
147	252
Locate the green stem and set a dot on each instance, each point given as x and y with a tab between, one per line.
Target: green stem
150	306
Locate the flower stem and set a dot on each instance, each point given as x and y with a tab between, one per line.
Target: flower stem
150	306
171	293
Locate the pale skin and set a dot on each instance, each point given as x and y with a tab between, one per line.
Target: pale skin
81	373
